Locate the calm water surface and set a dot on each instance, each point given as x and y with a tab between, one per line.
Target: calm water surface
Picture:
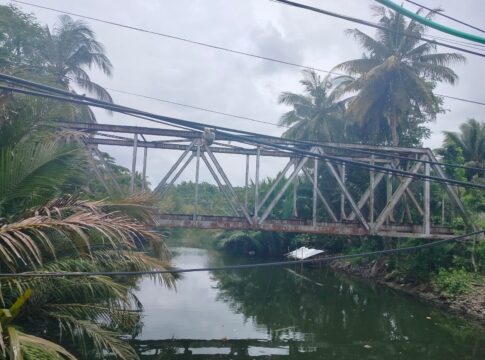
296	313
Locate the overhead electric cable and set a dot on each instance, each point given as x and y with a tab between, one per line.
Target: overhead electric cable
228	133
175	37
427	22
220	48
179	38
70	97
377	26
240	266
370	152
195	107
441	13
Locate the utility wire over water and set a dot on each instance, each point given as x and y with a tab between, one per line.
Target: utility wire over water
243	266
261	57
36	89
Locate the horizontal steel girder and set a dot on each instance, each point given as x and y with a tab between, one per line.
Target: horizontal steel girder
187	134
290	225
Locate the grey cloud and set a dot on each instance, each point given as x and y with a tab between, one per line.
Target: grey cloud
178	71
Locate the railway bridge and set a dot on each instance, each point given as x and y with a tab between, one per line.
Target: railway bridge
394	197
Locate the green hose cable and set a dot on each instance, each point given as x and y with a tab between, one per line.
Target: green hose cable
430	23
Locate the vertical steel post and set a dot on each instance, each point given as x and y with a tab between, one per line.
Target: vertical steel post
133	163
197	167
295	193
315	188
371	194
342	195
389	196
256	185
427	202
144	182
246	183
443	209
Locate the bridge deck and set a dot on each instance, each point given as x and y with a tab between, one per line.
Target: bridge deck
297	225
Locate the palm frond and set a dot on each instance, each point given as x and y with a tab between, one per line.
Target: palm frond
376	48
103	340
32	169
32	345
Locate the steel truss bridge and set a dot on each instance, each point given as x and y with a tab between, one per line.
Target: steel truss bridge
392	204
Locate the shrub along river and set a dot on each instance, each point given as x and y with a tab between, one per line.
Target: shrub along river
292	313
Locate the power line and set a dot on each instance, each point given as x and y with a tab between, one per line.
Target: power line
462	99
369	152
222	49
238	267
254	139
440	13
377	26
426	21
196	107
228	133
362	22
179	38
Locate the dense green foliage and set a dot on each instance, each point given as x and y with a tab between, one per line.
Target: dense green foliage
49	218
395	80
391	100
453	282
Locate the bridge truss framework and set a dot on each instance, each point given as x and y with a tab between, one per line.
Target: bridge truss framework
404	212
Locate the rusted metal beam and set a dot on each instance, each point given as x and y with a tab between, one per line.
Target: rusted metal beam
320	195
256	186
144	173
246	183
282	190
133	163
161	184
396	196
227	182
427	202
450	190
280	176
315	188
197	170
368	194
346	193
182	147
219	184
292	225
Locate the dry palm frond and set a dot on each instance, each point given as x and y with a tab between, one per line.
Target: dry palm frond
40	347
103	340
22	241
113	317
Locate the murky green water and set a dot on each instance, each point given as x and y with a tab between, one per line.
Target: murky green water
294	314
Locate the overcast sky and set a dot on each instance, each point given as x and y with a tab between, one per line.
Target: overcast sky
199	76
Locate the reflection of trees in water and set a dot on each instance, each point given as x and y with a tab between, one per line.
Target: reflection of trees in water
325	309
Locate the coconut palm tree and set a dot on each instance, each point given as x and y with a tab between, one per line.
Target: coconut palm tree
471	141
393	82
43	228
316	115
69	50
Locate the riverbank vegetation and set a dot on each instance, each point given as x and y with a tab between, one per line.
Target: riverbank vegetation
56	215
59	212
391	101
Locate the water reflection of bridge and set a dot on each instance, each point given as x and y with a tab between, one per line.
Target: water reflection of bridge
222	348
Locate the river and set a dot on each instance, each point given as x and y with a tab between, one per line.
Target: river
296	313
